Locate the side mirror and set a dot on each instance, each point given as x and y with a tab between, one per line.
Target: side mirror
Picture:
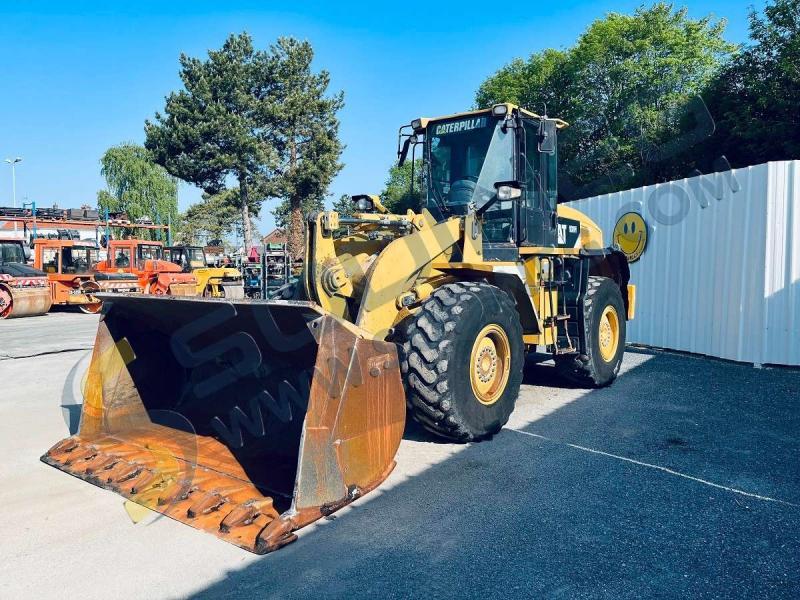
401	156
506	190
547	136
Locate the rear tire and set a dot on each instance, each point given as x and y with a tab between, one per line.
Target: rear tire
91	309
604	322
231	292
462	357
95	307
6	302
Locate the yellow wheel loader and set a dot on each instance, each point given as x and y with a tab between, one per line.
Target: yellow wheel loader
250	419
212	282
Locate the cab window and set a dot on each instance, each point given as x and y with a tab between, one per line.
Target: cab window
50	260
540	190
78	260
122	257
175	255
148	252
467	157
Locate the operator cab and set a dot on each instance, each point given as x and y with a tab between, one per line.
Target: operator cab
13	262
80	260
187	257
124	254
12	252
501	163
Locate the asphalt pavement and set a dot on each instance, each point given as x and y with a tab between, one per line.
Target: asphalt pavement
682	479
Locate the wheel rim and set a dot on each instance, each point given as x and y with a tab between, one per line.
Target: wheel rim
490	364
91	309
609	334
6	302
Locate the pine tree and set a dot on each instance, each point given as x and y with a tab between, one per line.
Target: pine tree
259	117
306	135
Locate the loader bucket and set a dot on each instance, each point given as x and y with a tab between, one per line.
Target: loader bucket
245	419
24	301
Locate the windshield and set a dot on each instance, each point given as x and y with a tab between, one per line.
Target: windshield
79	260
466	157
197	259
148	252
195	256
11	252
122	257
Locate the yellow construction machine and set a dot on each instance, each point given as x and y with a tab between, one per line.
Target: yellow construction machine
212	282
252	418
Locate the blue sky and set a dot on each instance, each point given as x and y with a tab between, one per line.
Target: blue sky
79	77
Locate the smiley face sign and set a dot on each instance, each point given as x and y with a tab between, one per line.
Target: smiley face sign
630	234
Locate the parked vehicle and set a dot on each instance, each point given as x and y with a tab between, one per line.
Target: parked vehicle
23	289
212	282
72	270
284	411
144	259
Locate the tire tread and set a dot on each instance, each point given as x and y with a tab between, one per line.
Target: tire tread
426	344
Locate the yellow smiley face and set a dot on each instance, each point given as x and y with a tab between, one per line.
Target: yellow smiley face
630	234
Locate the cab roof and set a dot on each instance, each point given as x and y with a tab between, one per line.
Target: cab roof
510	109
64	243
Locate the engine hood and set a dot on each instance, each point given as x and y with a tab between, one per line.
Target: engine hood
20	270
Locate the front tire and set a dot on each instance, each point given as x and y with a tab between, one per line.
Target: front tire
604	325
462	357
6	302
95	307
91	309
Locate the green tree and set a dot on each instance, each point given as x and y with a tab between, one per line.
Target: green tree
754	99
137	185
218	127
397	194
213	218
534	84
306	134
626	87
344	205
282	212
259	117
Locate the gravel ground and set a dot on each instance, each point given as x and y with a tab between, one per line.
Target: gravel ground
680	480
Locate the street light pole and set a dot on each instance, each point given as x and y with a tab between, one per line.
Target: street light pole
13	163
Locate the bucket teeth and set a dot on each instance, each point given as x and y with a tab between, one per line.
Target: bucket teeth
176	492
142	481
88	452
208	502
243	514
101	462
78	458
63	447
122	472
129	474
247	512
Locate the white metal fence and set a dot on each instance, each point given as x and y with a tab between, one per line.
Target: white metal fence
720	274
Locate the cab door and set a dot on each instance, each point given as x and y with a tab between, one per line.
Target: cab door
539	206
